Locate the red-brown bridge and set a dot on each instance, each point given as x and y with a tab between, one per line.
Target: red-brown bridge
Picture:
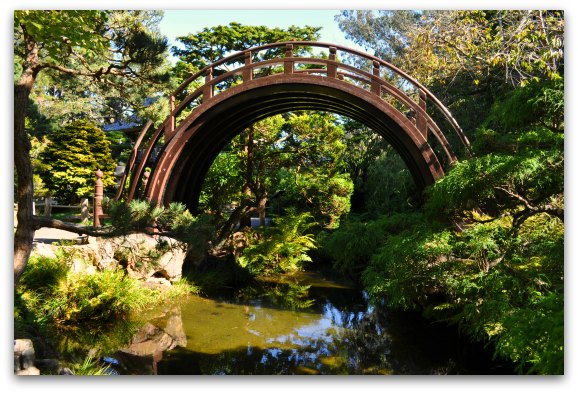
224	98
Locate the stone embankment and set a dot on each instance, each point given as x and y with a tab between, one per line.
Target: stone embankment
154	260
25	362
151	259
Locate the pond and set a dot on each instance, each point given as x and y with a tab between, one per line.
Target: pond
298	324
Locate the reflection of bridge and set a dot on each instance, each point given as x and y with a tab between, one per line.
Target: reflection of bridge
222	99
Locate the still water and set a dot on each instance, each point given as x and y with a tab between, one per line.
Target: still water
300	324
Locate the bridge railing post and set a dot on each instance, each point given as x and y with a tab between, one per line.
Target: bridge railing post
208	88
375	86
332	68
248	72
289	65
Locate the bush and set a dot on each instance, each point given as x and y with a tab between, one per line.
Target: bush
351	246
282	248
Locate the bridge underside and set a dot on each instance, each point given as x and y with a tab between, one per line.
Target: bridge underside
182	166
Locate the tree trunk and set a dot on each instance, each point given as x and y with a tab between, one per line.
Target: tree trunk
227	229
245	218
24	235
261	207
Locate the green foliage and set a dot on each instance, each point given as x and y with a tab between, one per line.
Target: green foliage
214	43
54	300
94	63
519	170
286	161
65	298
351	246
327	197
498	51
497	181
71	159
224	180
492	284
538	103
50	27
44	274
388	185
486	251
90	366
291	295
105	296
174	221
282	248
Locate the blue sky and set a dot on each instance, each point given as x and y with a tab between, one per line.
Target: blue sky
182	22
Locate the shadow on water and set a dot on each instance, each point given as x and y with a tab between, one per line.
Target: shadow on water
300	324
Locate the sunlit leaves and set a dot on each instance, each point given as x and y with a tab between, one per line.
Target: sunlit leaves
71	159
84	56
214	43
56	30
282	248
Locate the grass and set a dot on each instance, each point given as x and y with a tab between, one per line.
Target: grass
69	314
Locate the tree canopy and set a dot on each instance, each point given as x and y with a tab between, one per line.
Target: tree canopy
108	53
486	250
214	43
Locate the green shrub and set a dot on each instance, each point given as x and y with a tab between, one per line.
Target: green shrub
102	296
351	246
282	248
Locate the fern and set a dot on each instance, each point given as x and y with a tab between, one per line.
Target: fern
282	248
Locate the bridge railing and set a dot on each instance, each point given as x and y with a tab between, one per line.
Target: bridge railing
245	65
298	57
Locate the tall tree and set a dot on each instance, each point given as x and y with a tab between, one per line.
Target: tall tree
496	51
214	43
386	33
110	48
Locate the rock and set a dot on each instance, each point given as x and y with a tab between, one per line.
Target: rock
23	354
29	371
143	256
151	338
17	363
148	340
27	358
65	371
170	264
48	366
43	249
174	327
159	283
80	265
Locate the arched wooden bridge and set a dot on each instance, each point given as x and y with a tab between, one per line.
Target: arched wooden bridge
224	98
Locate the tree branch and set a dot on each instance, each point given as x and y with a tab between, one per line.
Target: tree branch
511	193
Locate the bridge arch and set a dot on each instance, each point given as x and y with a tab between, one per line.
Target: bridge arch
219	110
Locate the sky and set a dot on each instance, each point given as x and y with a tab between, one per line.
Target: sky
177	23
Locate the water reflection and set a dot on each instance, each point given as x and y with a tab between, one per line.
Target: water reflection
255	332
